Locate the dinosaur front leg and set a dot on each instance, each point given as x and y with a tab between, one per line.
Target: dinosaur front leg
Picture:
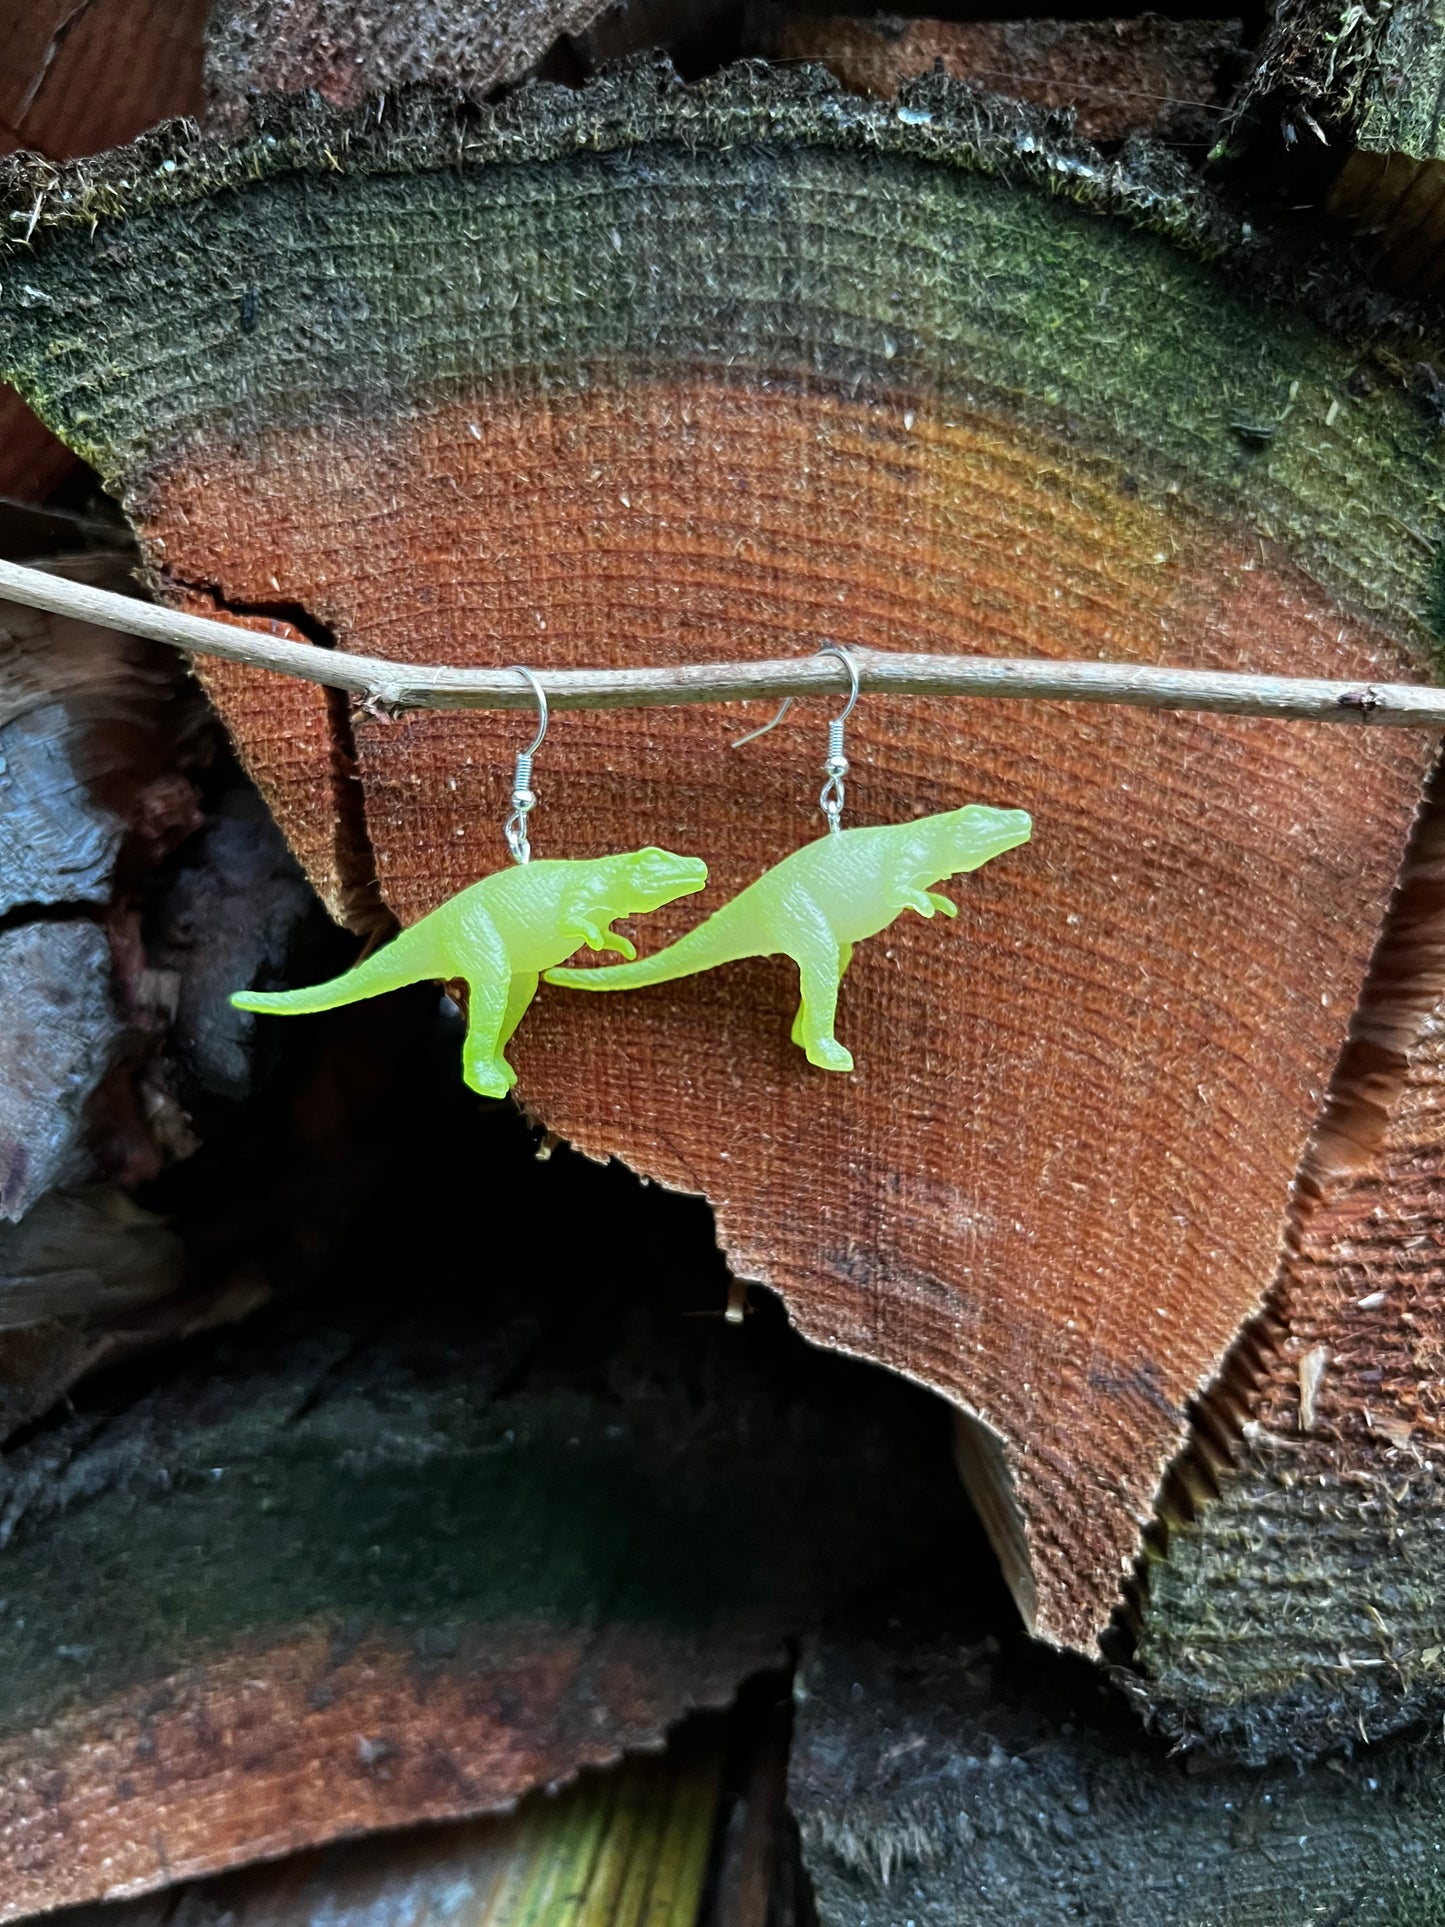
600	937
943	903
821	962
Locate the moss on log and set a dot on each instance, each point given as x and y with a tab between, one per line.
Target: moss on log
653	373
962	1785
353	1571
1344	106
75	81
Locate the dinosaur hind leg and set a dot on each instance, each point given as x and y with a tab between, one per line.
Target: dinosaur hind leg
820	971
489	1004
523	990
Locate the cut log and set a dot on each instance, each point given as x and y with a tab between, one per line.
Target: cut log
61	1034
344	52
1147	75
91	1251
337	1576
1342	108
659	374
964	1786
1294	1605
620	1847
74	80
91	732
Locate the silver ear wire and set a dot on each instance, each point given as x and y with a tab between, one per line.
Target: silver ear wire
524	798
753	734
835	768
830	797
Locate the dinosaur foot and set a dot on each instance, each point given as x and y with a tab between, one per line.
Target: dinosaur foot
829	1055
489	1078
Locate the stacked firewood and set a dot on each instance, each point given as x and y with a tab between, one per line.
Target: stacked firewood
1003	1483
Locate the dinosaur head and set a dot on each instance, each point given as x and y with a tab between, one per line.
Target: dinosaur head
964	839
642	879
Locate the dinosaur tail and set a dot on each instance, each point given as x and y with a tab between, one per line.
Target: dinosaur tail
403	961
704	948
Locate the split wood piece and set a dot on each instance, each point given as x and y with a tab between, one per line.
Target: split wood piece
408	1568
84	1252
1343	108
312	744
461	47
946	1784
1293	1606
1147	75
75	80
621	1847
764	362
91	731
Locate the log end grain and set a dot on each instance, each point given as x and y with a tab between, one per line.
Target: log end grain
952	408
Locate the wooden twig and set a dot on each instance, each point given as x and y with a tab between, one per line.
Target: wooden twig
390	687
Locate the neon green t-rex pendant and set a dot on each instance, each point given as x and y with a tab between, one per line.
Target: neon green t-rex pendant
821	900
498	936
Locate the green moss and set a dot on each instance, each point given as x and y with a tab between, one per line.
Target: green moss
1297	1614
1402	84
185	295
671	1490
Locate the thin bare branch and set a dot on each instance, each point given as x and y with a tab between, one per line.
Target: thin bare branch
393	687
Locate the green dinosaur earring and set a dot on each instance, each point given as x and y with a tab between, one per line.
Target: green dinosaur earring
499	935
829	895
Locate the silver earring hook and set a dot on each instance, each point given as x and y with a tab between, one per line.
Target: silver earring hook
753	734
835	768
828	649
524	798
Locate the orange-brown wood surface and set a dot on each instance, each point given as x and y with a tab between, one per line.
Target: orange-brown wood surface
1364	1277
272	1750
1170	78
1295	1601
1103	1073
77	76
308	753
